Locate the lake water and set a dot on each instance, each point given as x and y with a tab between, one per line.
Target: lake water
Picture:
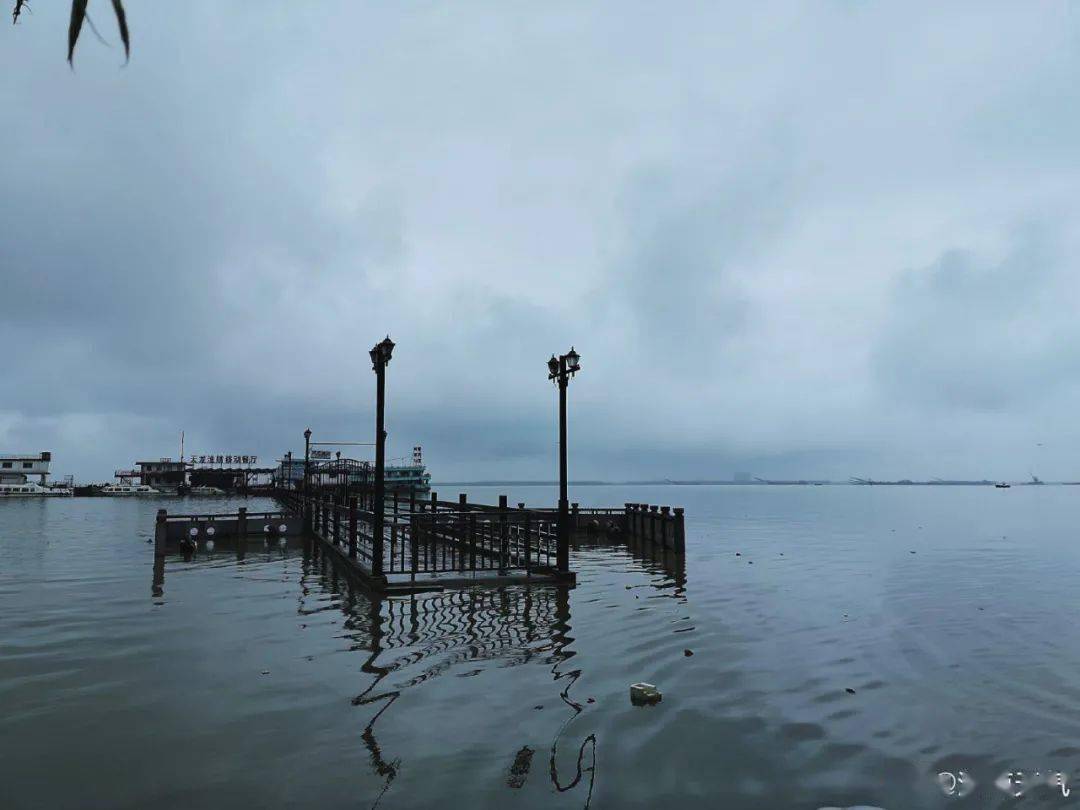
950	612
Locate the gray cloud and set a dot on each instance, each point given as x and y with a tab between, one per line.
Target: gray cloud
721	208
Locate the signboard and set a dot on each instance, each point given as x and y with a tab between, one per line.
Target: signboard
224	460
320	454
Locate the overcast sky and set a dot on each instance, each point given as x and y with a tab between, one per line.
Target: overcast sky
794	239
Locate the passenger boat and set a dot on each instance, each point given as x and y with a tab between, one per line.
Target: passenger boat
129	489
32	490
202	490
16	470
405	477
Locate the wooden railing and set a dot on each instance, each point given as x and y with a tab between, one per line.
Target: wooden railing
435	536
422	535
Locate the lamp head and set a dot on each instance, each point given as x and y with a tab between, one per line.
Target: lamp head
553	367
387	348
573	360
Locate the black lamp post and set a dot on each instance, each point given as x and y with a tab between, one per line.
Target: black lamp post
380	357
560	370
307	466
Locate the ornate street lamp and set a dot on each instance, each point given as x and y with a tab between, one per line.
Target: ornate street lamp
306	488
560	370
380	356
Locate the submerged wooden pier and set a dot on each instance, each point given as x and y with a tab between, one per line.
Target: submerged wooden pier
425	543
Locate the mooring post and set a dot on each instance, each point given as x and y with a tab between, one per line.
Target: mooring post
680	530
463	525
643	513
412	498
525	538
161	533
574	516
652	522
664	521
336	503
352	527
241	524
626	517
414	545
504	535
430	551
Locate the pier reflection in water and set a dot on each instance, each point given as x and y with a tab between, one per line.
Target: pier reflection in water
457	648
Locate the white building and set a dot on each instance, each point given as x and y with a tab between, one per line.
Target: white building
16	468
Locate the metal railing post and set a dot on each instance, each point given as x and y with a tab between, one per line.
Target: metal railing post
352	527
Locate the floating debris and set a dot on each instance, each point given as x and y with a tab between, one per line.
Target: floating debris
643	694
850	691
519	770
687	653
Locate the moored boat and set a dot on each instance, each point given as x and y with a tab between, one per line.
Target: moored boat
15	472
129	489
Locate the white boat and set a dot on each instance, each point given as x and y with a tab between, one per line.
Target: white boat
32	490
205	491
129	489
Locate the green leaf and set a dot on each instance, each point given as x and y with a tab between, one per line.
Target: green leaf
121	19
78	14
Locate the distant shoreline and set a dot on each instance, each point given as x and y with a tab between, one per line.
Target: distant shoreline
807	483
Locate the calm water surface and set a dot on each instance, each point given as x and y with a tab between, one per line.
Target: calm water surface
272	682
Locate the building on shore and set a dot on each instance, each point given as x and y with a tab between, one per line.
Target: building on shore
201	475
16	471
164	475
325	471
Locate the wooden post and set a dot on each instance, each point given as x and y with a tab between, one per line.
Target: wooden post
161	533
472	542
393	542
574	516
504	535
352	527
626	517
665	519
412	498
463	526
430	549
652	522
414	544
526	540
680	531
395	502
241	525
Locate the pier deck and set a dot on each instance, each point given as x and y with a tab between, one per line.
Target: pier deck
427	544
